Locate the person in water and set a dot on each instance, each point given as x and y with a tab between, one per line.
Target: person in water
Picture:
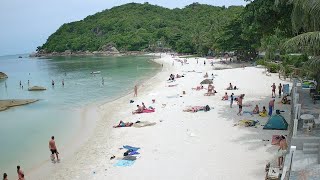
53	148
52	82
5	176
20	172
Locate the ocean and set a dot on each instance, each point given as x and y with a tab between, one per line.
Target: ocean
26	130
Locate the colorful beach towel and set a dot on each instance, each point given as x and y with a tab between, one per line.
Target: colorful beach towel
148	111
131	148
124	163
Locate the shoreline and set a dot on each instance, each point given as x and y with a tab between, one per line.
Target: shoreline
42	169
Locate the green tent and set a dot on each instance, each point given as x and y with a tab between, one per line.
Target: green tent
276	122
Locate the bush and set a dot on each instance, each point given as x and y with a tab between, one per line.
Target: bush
272	67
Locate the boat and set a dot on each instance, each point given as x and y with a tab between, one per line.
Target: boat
20	56
95	72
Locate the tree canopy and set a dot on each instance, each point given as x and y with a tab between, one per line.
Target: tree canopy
136	27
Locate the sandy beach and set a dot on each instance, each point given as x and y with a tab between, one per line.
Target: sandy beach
181	145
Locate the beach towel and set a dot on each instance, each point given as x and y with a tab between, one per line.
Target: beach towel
130	158
275	139
131	148
124	163
248	112
248	123
148	110
144	124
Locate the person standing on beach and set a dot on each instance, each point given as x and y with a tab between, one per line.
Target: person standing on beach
273	90
280	90
231	100
20	172
271	107
282	150
204	62
5	176
53	148
135	91
240	104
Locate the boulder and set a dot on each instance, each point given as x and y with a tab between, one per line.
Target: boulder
36	88
109	48
3	75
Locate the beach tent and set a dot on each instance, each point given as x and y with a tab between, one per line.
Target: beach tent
276	122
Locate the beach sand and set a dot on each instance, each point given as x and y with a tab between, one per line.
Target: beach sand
182	145
6	104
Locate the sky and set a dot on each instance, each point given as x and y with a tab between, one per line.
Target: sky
26	24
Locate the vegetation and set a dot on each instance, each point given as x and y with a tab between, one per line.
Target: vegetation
136	27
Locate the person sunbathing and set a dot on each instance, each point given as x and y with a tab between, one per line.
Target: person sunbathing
123	124
206	75
256	110
225	97
139	110
285	100
178	76
263	113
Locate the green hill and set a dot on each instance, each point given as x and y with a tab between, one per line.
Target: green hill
136	27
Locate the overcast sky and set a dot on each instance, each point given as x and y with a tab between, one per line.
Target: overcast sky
26	24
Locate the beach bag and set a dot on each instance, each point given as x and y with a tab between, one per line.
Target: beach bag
207	108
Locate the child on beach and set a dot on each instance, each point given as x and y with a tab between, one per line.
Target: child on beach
263	113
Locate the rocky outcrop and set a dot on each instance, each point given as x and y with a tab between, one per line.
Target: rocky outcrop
3	75
6	104
36	88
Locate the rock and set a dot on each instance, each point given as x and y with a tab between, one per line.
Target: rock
3	75
36	88
109	48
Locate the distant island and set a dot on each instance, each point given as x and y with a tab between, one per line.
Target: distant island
141	27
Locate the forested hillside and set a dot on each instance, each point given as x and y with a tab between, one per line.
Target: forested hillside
136	27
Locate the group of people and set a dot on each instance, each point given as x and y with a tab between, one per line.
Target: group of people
274	87
52	148
139	109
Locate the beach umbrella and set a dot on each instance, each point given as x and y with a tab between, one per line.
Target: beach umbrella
207	81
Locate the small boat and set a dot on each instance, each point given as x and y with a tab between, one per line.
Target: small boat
95	72
20	56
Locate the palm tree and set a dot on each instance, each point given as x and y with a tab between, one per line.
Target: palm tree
305	18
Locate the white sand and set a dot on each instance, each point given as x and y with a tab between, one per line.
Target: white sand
182	145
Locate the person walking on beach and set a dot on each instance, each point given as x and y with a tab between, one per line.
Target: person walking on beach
280	90
135	91
20	173
53	148
282	150
271	107
240	104
231	100
273	90
5	176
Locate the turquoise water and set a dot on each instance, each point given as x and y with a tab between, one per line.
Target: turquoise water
25	130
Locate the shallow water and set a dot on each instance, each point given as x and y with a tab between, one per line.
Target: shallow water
25	130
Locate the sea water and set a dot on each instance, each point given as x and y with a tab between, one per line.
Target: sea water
26	130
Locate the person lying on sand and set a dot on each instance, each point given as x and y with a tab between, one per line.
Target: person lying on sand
198	88
123	124
225	97
285	100
256	110
178	76
139	110
206	75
